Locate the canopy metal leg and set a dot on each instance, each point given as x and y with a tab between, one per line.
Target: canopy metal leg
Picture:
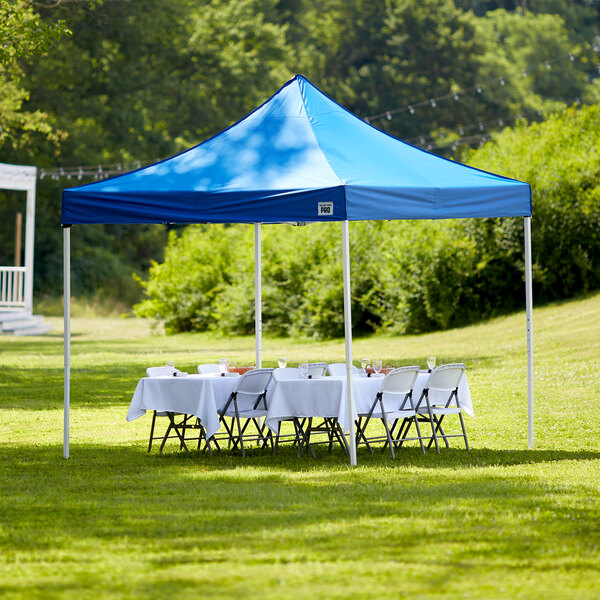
348	337
257	295
529	310
67	336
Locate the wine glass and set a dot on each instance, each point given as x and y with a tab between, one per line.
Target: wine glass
377	364
431	363
223	364
282	362
170	364
364	363
303	370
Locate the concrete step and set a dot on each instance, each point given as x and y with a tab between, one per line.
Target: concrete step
39	330
33	321
16	315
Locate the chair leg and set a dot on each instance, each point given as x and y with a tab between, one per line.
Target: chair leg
152	430
403	432
360	433
341	436
180	435
438	428
276	446
462	424
433	433
240	431
389	437
416	418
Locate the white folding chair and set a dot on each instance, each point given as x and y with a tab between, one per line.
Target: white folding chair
208	368
339	369
393	404
178	427
317	370
328	426
444	379
286	374
248	402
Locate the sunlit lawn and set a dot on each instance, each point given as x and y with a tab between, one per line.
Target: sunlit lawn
500	521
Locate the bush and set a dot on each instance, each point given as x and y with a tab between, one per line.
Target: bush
407	276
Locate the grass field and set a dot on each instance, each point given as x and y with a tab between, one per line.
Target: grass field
500	521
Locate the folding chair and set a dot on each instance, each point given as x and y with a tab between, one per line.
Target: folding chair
248	402
317	370
178	427
208	368
339	369
328	426
285	374
393	404
444	379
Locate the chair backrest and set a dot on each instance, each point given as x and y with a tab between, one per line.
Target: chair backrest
208	368
159	371
400	381
254	382
250	386
287	373
317	370
446	377
339	369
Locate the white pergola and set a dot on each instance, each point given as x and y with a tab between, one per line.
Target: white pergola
16	283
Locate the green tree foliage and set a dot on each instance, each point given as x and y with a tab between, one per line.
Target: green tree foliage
407	276
22	34
137	81
560	158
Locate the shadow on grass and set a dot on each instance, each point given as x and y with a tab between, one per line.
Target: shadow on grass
178	509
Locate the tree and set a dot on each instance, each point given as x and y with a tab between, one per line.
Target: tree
23	34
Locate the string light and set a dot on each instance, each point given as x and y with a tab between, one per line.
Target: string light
478	88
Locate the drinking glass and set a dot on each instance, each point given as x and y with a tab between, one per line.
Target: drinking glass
170	364
431	362
377	366
223	364
303	370
282	362
364	363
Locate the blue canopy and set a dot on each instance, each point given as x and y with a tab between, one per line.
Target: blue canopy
300	156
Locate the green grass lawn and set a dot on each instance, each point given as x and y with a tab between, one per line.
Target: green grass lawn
500	521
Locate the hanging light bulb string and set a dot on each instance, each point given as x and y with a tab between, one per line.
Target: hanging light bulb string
424	140
456	94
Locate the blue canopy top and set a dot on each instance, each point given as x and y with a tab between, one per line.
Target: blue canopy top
298	157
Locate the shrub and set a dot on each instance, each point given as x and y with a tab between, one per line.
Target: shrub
407	276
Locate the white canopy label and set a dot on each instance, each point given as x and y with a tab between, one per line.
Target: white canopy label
325	208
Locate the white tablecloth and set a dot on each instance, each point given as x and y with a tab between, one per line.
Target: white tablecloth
327	397
198	395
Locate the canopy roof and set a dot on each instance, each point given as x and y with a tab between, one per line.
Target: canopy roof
300	156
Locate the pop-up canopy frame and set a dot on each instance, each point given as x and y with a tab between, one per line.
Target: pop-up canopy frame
299	157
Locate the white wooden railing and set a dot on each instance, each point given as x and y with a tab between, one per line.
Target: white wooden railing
12	287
